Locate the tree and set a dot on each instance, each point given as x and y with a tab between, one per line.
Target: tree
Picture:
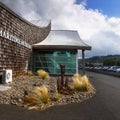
109	62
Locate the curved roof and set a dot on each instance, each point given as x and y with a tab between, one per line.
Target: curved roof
41	22
62	39
34	32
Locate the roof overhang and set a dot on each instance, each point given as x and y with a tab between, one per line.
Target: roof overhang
62	39
62	47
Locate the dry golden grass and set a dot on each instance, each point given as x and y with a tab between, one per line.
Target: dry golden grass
80	83
85	83
77	76
57	95
37	98
30	73
43	74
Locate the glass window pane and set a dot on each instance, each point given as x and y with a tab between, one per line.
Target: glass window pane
50	61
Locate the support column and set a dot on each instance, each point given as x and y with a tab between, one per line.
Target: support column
77	62
83	61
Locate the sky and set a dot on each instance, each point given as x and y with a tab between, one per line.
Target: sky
97	21
109	7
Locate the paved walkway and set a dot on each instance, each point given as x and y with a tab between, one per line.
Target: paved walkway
4	88
105	105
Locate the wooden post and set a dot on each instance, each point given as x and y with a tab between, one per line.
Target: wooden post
83	61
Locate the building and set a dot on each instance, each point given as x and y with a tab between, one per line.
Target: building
59	47
16	38
24	46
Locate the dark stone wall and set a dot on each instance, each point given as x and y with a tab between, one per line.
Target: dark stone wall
13	55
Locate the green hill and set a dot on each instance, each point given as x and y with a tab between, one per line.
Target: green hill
108	60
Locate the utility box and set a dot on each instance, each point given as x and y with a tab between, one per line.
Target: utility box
7	76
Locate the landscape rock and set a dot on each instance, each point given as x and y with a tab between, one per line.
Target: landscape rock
24	85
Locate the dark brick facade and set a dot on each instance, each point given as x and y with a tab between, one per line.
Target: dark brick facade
13	55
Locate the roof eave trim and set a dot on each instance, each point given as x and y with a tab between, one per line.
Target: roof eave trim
61	47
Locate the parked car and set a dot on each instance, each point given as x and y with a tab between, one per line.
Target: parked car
105	68
112	68
117	70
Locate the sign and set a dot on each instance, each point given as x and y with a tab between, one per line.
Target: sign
13	38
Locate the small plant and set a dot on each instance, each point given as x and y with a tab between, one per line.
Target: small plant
30	73
43	74
80	83
77	75
76	82
57	95
38	97
85	83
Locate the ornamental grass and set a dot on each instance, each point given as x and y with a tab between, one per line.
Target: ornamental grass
38	98
80	83
30	73
57	95
43	74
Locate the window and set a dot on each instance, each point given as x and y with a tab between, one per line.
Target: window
50	61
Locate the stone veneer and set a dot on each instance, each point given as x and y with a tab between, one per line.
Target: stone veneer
13	55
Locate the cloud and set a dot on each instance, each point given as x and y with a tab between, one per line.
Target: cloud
95	28
104	43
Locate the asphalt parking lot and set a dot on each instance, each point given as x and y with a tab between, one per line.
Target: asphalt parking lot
103	106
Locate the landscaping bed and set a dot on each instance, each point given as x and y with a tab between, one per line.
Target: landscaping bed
22	86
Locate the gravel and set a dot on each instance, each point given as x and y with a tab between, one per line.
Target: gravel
25	84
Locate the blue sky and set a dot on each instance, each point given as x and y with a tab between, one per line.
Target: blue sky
108	7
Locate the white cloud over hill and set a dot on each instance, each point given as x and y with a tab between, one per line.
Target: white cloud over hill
95	28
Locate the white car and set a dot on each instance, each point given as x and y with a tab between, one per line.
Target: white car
117	70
